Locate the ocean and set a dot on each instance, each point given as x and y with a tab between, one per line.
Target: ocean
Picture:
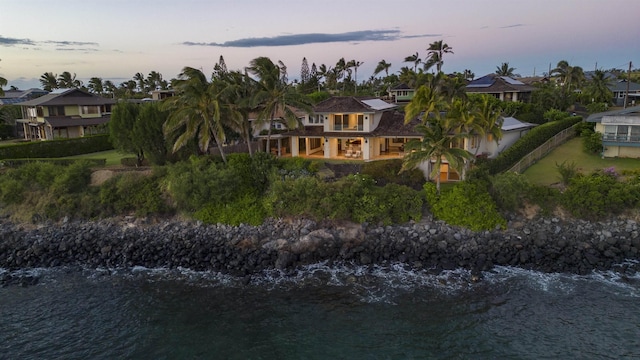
322	311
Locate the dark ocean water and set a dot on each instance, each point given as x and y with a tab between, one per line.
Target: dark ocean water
321	312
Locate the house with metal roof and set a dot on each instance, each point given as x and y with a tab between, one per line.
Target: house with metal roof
620	131
502	87
619	89
64	113
12	96
401	93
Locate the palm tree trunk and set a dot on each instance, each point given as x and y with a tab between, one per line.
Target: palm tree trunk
248	137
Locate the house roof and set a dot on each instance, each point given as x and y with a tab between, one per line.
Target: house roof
351	104
492	83
511	123
401	86
65	121
621	85
280	114
68	97
595	118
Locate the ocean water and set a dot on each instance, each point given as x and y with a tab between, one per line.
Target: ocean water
320	312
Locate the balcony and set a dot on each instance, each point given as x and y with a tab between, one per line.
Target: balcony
621	140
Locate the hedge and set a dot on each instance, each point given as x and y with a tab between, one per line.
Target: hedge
57	148
529	142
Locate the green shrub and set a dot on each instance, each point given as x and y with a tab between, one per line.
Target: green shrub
388	172
509	190
592	142
246	210
296	197
56	148
595	196
75	178
467	204
567	171
132	192
12	191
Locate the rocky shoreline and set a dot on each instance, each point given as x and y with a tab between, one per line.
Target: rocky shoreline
543	244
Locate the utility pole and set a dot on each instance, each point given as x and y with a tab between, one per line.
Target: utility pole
626	94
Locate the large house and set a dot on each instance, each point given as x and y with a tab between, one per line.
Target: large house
347	127
502	87
352	128
620	131
64	113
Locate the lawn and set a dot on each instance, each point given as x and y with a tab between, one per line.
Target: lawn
113	157
545	171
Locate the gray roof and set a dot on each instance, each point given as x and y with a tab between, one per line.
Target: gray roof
351	104
596	118
511	123
68	97
621	85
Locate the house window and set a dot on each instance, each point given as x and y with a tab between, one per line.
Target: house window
337	122
360	122
56	110
40	111
635	134
490	138
89	110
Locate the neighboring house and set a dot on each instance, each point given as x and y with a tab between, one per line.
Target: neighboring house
620	131
619	90
533	80
162	94
15	96
64	113
279	144
401	93
501	87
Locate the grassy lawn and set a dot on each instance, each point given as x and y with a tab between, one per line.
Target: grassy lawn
545	171
113	157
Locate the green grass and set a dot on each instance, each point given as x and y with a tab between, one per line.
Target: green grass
113	156
545	171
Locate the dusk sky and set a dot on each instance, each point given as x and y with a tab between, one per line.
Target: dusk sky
115	39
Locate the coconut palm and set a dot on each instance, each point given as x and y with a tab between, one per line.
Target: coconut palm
196	111
109	87
383	65
3	82
68	81
96	85
355	65
415	59
597	90
49	81
436	51
238	92
140	81
505	70
274	95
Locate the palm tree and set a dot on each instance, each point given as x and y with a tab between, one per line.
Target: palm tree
141	83
382	65
415	59
597	90
68	81
355	65
239	89
49	81
340	70
436	51
3	82
436	145
196	111
96	86
273	95
109	88
505	70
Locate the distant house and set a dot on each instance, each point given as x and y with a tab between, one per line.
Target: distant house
162	94
15	96
401	93
501	87
620	131
64	113
619	90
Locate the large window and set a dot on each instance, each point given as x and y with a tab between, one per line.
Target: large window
89	110
56	110
348	122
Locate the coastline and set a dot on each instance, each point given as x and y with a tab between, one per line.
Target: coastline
542	244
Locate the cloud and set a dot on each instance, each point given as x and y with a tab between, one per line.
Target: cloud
511	26
314	38
71	43
13	41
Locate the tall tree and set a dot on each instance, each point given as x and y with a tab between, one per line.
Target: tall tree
597	89
109	88
305	73
435	54
123	117
68	81
141	82
49	81
239	89
383	65
355	65
275	95
439	136
195	112
415	59
96	86
3	82
505	70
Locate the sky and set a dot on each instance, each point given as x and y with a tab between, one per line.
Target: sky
115	39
